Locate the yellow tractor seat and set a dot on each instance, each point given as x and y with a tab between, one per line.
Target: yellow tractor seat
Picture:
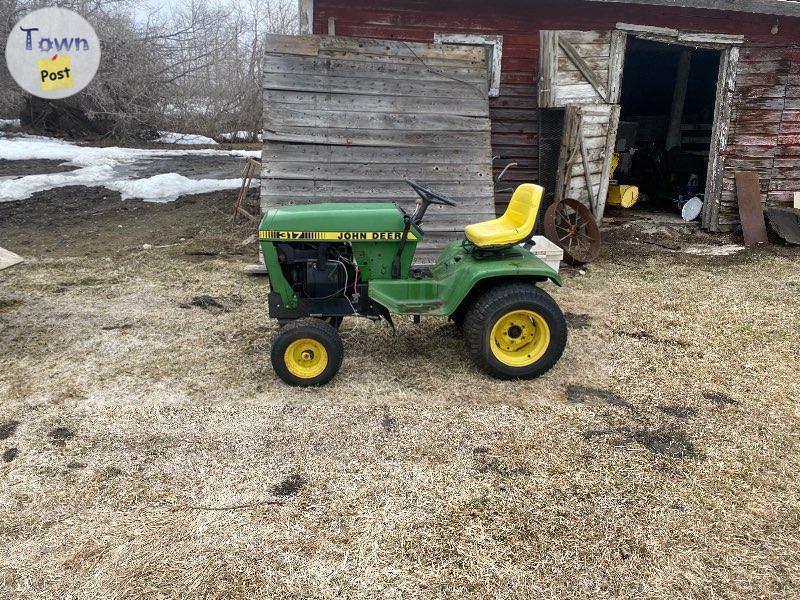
515	226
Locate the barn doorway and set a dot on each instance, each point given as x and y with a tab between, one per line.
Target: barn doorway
664	142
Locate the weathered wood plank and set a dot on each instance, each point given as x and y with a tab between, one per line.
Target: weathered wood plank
576	93
436	63
278	152
391	104
748	194
710	38
446	88
367	171
605	176
469	193
280	118
301	65
575	76
548	69
726	83
417	50
586	37
616	62
596	63
377	137
593	50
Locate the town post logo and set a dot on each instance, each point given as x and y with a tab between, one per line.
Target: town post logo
53	53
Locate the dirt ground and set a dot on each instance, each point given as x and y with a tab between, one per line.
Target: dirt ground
148	450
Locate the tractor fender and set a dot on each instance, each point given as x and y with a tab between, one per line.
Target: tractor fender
457	277
477	286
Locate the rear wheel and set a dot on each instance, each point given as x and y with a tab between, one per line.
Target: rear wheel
307	353
515	331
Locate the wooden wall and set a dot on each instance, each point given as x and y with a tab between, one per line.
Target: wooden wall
765	127
514	112
347	119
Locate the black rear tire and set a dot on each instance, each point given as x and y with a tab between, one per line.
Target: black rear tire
307	353
502	302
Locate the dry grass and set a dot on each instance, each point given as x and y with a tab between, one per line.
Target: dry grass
659	459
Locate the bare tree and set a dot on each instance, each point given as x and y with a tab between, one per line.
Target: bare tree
225	94
195	67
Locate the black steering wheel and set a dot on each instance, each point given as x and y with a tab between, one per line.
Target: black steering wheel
429	196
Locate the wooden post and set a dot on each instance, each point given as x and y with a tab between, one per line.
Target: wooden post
611	143
587	173
679	99
726	82
305	9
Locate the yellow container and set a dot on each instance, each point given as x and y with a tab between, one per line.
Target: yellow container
623	195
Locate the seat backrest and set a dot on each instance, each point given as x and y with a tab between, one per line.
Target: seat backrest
524	207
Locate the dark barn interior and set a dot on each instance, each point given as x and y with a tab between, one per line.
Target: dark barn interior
667	113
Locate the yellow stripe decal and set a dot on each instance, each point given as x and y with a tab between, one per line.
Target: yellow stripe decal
334	236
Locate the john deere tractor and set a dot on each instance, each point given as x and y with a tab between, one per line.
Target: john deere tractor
331	261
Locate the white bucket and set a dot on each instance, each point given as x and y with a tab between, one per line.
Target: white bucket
691	210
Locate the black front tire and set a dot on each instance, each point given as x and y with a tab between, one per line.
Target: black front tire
307	353
496	304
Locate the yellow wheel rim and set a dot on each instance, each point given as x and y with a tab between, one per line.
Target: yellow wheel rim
306	358
519	338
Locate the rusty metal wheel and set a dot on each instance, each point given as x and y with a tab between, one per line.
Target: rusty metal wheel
571	225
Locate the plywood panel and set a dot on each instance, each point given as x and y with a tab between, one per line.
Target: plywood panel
347	119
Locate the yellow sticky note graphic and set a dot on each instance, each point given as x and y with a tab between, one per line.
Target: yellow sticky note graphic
55	73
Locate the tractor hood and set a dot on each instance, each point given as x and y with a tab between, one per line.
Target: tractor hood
291	222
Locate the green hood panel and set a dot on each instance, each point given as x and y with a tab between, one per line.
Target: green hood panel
368	216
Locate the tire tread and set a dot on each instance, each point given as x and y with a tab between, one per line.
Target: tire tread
510	293
331	339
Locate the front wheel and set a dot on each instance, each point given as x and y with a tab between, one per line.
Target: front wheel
307	353
515	331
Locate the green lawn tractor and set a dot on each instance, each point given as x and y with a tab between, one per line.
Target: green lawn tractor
330	261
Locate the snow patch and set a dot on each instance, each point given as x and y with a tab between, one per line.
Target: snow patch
168	187
25	187
187	139
9	123
106	167
240	136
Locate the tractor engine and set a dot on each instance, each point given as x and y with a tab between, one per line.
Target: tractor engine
318	271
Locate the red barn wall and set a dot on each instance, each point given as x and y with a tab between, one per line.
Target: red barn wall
765	127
